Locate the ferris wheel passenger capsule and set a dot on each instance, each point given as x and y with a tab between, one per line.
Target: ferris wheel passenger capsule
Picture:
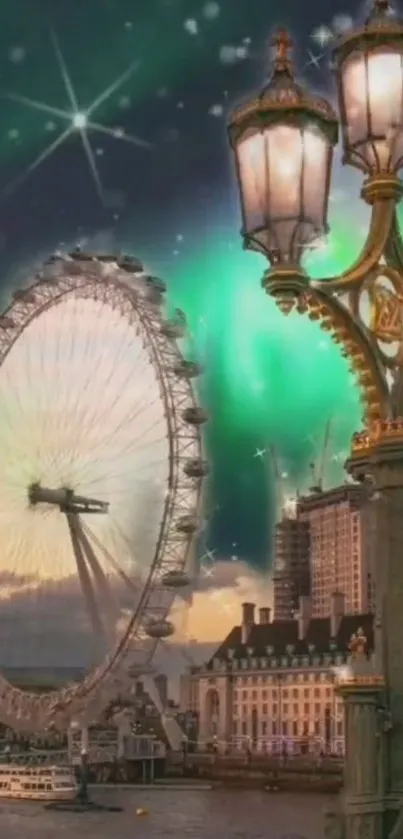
196	468
80	255
156	283
24	294
173	329
159	628
130	264
106	257
176	579
195	415
188	524
6	322
187	369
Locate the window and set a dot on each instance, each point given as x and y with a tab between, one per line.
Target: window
235	727
285	708
264	694
264	710
317	708
306	709
275	707
244	728
295	728
285	693
254	695
295	693
264	728
295	708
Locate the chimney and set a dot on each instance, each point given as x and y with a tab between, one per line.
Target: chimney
304	615
337	605
264	615
248	621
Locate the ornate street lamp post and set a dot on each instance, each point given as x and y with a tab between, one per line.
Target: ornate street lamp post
283	142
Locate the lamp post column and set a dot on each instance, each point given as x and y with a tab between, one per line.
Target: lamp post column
363	796
379	455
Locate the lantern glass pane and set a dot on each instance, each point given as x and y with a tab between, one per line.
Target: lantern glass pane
251	156
372	93
317	160
284	146
284	176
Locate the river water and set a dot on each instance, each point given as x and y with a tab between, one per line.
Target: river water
205	814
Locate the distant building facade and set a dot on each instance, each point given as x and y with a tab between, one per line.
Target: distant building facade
339	548
291	578
270	685
189	691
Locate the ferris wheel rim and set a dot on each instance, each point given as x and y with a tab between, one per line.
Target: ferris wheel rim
27	306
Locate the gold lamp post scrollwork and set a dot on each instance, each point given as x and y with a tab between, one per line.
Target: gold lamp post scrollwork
283	141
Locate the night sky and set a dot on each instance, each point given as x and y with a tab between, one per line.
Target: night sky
171	199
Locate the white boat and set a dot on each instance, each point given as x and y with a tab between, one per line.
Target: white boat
38	783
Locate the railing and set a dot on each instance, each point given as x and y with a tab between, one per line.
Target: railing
36	758
129	748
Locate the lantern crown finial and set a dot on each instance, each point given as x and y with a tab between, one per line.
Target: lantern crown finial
282	43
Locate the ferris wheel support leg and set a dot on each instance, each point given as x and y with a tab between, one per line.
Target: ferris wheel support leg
84	577
110	604
172	729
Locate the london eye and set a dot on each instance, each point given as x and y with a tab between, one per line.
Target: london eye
100	480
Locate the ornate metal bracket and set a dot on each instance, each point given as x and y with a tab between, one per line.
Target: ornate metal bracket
362	309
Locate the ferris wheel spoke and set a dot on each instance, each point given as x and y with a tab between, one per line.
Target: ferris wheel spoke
114	476
91	410
131	448
126	346
107	443
132	588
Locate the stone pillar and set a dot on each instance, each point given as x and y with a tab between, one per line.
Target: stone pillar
363	795
378	456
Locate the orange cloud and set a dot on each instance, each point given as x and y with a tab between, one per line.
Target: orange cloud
216	608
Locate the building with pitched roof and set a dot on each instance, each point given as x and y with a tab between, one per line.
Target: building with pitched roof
270	684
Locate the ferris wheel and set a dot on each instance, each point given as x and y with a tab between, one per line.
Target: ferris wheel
101	470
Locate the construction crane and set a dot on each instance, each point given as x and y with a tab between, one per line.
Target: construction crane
285	503
317	468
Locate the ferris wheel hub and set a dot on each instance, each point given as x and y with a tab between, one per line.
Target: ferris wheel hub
65	499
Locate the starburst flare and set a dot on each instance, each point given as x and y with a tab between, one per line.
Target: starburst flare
78	120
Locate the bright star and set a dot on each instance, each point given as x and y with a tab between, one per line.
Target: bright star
322	35
314	60
209	555
260	453
78	121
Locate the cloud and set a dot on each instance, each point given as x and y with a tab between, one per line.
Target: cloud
47	626
215	606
